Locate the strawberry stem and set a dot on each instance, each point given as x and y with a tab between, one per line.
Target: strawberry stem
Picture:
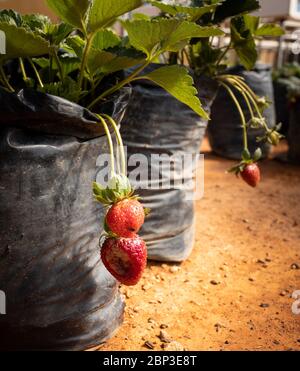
110	144
120	143
238	106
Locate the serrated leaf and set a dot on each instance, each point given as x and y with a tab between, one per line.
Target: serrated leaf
177	82
163	34
70	11
76	43
269	29
105	39
68	89
36	22
243	42
104	12
191	13
112	60
231	8
10	16
22	43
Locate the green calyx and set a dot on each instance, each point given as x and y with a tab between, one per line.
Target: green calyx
118	189
247	159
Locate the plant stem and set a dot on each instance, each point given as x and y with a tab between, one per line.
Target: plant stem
120	84
23	69
223	54
238	106
110	144
120	142
5	80
60	70
244	93
87	49
36	73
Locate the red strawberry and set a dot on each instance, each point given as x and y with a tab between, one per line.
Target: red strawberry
125	218
125	258
251	174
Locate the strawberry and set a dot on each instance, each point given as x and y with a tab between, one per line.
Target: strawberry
251	174
125	258
125	218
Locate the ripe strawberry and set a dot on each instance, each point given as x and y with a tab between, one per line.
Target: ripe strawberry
125	258
251	174
125	218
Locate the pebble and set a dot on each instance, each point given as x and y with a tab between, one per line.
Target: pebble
173	346
174	269
263	305
295	266
251	279
149	345
146	287
164	326
214	282
164	337
284	293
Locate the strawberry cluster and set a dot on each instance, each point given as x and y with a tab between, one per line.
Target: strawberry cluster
123	252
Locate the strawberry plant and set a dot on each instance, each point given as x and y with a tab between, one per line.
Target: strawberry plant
205	57
81	59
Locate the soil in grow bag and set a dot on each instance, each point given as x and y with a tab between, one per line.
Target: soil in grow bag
225	129
156	123
59	295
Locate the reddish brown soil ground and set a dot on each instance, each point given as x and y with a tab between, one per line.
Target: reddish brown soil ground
234	292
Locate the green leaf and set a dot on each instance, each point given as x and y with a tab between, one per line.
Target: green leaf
113	60
103	12
76	45
36	22
191	13
163	34
67	89
10	16
269	29
177	82
231	8
243	42
68	64
105	39
22	43
70	11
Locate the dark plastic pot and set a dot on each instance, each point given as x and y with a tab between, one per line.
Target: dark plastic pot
294	134
156	123
59	295
224	129
281	103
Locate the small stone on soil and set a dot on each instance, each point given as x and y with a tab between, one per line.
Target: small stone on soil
173	346
164	326
263	305
214	282
295	266
149	345
174	269
164	337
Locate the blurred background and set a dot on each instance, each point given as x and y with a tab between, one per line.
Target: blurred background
285	12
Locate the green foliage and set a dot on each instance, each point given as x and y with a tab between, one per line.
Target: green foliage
177	81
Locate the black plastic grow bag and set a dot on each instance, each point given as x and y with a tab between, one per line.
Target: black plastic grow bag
294	134
156	123
224	130
59	296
